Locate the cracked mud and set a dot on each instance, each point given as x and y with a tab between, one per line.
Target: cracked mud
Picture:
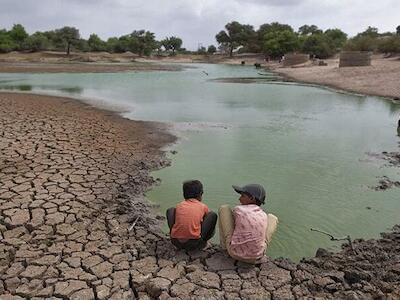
72	180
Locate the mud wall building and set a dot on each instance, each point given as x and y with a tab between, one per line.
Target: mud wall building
354	58
292	59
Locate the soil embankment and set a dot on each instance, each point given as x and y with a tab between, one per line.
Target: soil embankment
56	62
74	222
380	79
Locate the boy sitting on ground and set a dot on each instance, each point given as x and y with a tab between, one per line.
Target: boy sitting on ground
191	223
246	232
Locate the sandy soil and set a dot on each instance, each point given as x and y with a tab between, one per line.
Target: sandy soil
382	78
74	223
49	61
82	67
56	62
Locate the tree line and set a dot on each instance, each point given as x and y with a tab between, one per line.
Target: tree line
271	39
141	42
276	39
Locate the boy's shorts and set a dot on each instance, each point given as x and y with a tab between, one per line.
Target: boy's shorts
191	244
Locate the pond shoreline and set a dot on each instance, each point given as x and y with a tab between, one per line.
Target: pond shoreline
355	80
380	79
75	223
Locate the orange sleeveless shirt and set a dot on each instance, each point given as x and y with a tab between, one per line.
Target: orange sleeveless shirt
189	215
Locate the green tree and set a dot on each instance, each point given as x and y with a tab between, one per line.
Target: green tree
371	32
398	30
309	29
271	37
112	44
18	35
54	40
125	43
235	35
389	44
362	43
318	45
277	43
272	27
6	43
367	40
95	43
338	37
82	45
172	43
69	36
201	50
142	42
211	49
37	42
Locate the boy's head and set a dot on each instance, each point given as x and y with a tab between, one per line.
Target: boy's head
251	193
192	189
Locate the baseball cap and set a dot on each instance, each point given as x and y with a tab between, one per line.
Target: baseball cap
255	190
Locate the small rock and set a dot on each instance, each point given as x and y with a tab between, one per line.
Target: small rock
157	285
182	290
85	294
34	271
102	292
102	270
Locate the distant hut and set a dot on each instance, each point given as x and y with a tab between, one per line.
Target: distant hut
355	59
292	59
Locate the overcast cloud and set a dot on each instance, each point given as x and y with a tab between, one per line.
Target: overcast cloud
195	21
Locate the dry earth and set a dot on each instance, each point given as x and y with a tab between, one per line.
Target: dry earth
56	62
382	78
72	180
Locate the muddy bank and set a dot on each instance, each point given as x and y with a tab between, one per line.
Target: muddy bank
74	222
84	62
379	79
83	67
390	159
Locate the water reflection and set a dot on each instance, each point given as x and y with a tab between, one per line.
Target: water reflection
75	90
72	90
21	87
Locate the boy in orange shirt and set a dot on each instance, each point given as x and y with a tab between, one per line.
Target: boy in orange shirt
191	223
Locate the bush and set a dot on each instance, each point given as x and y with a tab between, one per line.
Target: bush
36	42
6	43
362	43
389	44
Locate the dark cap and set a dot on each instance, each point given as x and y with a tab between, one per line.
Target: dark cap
255	190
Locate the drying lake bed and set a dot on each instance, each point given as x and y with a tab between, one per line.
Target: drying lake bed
309	146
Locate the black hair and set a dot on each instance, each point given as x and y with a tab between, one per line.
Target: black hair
192	189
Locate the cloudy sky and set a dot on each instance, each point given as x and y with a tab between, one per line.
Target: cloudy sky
195	21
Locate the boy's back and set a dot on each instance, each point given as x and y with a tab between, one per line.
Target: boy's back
191	223
248	238
189	215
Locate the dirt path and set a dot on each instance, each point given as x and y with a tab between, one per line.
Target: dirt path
72	180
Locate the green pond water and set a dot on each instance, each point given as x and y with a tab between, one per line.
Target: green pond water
308	146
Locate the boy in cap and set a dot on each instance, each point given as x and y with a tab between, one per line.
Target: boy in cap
246	231
191	223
